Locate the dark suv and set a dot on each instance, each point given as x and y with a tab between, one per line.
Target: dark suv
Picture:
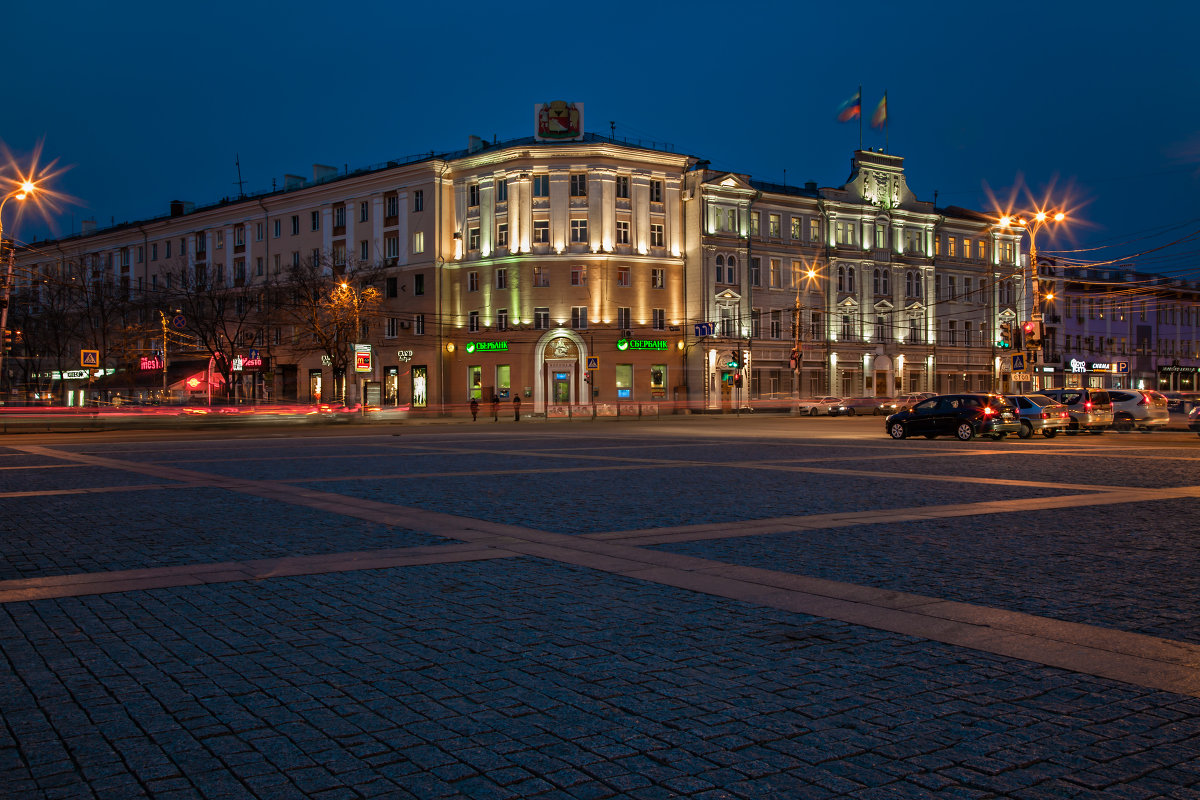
1091	410
963	415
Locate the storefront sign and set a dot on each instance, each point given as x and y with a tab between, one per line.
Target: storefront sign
642	344
1077	365
404	355
362	358
1177	368
147	363
74	374
487	347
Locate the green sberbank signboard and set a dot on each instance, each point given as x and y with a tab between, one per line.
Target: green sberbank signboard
487	347
641	344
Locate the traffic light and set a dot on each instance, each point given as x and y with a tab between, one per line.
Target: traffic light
8	341
1005	335
795	359
1029	328
734	362
737	380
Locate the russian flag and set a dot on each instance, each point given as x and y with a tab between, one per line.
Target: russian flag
851	109
879	118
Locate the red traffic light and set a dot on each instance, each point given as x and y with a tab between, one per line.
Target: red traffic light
1028	327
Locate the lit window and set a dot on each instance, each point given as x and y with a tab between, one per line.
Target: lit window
419	242
622	276
658	279
578	276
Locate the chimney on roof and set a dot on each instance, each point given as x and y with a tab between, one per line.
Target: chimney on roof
475	144
181	207
292	182
810	186
322	172
87	226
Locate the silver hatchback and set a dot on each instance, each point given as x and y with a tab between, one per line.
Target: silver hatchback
1041	414
1091	410
1143	409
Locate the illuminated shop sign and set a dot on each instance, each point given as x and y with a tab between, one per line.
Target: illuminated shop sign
362	358
642	344
146	363
487	347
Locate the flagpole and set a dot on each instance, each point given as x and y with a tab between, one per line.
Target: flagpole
887	125
860	116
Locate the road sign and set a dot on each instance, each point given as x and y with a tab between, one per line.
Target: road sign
593	362
1020	376
89	358
1018	362
1121	367
705	329
179	321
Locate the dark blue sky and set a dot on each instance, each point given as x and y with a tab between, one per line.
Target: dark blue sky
150	102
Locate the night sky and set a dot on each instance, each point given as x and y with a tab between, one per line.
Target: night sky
1095	105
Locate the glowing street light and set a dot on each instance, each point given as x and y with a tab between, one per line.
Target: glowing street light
23	190
1033	224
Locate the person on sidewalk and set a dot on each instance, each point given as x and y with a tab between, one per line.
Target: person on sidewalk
495	407
474	410
516	408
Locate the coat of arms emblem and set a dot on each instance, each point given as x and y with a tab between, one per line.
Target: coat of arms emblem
559	121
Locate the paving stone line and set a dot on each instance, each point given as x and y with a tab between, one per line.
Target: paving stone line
1131	658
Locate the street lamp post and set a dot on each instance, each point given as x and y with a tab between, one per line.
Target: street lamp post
1034	223
20	193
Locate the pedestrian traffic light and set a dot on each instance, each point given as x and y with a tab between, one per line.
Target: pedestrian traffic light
1005	335
734	362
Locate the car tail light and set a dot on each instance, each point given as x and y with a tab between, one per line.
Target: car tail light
1142	402
988	411
1087	406
1045	415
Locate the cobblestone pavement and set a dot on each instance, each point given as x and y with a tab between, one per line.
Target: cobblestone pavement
706	609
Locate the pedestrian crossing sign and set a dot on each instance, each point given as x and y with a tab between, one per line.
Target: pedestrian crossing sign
89	358
593	362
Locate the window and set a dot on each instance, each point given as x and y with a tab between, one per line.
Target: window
578	184
776	273
276	229
472	281
658	278
541	319
579	232
880	237
502	191
296	259
364	250
951	291
392	206
391	245
220	240
1008	252
419	283
656	191
473	195
239	236
339	217
154	252
472	238
622	276
393	328
419	242
814	229
258	265
363	211
316	256
579	276
773	226
951	332
982	250
881	328
541	185
843	233
541	231
841	279
501	277
754	224
391	287
875	282
473	321
622	231
624	376
316	220
141	251
658	319
755	271
776	324
418	200
656	235
623	318
339	253
720	262
502	319
541	277
731	275
846	327
951	246
167	249
796	227
419	325
623	187
502	235
295	224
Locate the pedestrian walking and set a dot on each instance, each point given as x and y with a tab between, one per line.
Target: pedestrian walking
495	407
516	408
474	410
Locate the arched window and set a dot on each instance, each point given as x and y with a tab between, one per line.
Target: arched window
875	285
849	279
887	281
720	269
908	285
841	279
731	272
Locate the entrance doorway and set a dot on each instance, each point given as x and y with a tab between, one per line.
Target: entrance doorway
560	383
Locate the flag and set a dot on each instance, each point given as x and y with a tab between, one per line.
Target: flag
851	108
879	118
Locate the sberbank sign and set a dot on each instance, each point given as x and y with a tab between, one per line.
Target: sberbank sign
487	347
641	344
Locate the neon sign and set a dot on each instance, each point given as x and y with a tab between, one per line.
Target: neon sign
147	363
642	344
487	347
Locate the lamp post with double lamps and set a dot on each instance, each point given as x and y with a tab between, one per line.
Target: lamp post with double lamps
24	190
1032	224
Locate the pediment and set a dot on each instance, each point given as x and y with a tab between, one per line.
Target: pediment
915	307
728	295
848	301
730	182
884	305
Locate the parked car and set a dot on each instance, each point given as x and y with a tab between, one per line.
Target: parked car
1181	403
1091	410
1039	413
819	406
902	402
1143	409
851	406
963	415
1194	420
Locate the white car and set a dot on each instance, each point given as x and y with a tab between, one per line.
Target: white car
820	406
1143	409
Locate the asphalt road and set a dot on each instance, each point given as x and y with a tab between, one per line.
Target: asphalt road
702	607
